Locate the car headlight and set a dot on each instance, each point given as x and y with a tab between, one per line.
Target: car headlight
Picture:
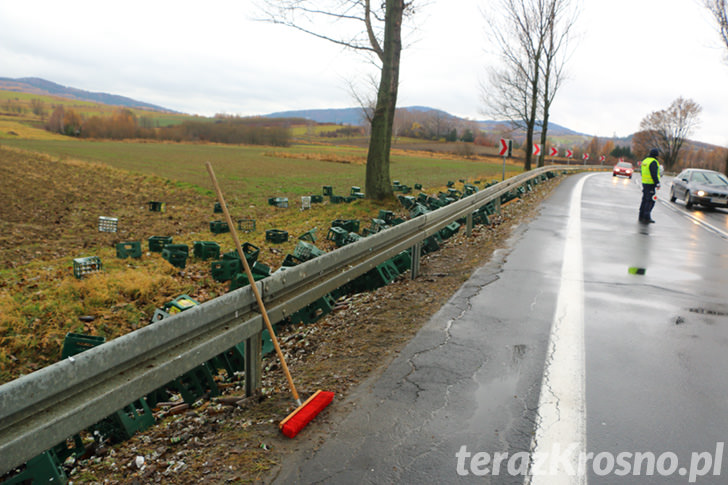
700	193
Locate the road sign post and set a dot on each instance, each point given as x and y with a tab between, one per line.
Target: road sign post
505	151
554	152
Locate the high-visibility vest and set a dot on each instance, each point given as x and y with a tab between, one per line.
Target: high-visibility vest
646	175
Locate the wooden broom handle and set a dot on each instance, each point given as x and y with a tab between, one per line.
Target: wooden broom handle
253	286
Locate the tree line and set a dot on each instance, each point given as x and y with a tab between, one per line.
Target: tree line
123	124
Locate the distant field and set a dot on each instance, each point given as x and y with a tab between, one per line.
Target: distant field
19	105
255	173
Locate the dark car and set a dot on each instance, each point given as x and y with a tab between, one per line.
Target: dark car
623	168
697	186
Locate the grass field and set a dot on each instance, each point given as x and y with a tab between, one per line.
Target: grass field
253	174
54	190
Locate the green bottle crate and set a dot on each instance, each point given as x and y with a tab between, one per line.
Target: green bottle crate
206	250
407	201
125	423
196	383
217	209
239	280
219	227
309	235
86	266
179	304
129	249
44	468
314	311
449	231
155	206
246	225
305	251
317	199
403	261
338	235
276	236
224	269
337	199
157	243
75	343
328	191
350	225
176	257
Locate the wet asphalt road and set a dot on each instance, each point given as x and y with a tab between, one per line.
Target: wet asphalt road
536	362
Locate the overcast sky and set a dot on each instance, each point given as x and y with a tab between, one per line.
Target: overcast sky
632	57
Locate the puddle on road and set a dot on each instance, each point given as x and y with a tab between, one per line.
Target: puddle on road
495	394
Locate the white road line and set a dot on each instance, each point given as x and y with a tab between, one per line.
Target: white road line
704	224
560	438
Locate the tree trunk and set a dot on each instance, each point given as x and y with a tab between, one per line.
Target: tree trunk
531	122
378	183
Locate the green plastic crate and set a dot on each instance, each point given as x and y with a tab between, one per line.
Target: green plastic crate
75	343
328	191
224	269
86	266
276	236
44	468
219	227
305	251
246	225
156	206
125	423
157	243
179	304
175	255
449	231
350	225
196	383
129	249
309	235
206	250
338	235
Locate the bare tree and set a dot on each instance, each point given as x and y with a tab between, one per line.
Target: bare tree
560	20
668	129
719	10
531	36
373	29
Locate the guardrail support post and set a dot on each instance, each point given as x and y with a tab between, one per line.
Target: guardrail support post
469	225
416	250
253	363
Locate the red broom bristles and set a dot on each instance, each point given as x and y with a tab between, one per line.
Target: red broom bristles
299	418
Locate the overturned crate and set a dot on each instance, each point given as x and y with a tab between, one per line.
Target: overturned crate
305	251
281	202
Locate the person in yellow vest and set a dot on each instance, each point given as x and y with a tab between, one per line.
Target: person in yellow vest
650	184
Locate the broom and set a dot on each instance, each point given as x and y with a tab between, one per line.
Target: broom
305	412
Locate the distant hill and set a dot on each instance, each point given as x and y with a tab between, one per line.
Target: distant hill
341	116
39	86
354	116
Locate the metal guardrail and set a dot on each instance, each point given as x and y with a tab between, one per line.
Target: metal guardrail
42	409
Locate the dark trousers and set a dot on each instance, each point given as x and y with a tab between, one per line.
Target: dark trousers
648	192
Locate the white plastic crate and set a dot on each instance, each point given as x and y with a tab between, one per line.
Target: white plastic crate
108	224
